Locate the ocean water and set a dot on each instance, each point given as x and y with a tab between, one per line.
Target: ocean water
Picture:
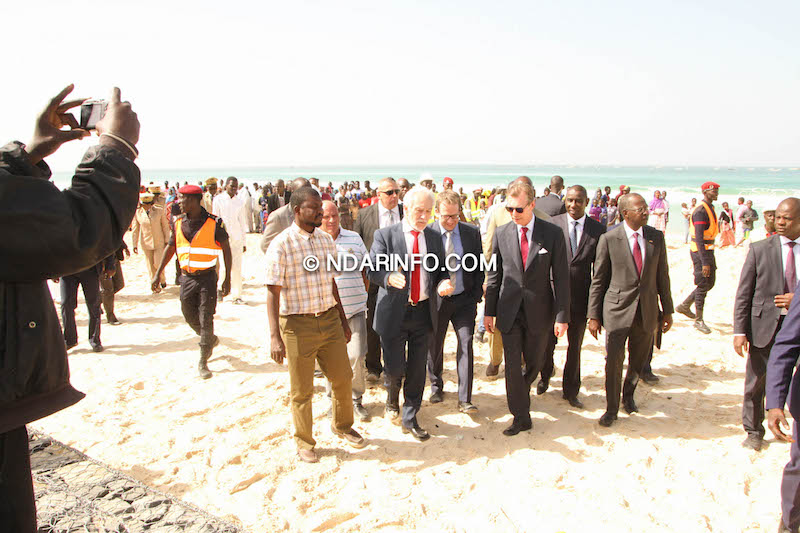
766	187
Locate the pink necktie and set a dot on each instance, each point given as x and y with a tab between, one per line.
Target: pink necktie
637	254
415	272
523	245
790	272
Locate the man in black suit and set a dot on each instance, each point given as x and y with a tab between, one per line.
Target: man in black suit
581	234
553	203
765	291
460	308
631	273
404	314
279	198
529	253
383	214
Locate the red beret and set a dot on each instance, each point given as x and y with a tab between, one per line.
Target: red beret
190	189
448	180
709	185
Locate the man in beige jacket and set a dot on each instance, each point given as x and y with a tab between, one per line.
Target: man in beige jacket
150	226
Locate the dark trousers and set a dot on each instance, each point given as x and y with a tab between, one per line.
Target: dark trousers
408	363
110	287
199	303
755	380
17	503
461	311
373	357
640	342
703	284
518	344
571	383
89	280
790	484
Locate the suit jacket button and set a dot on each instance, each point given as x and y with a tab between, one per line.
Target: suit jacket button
31	324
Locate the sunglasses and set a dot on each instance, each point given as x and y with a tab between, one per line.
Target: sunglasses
519	210
391	192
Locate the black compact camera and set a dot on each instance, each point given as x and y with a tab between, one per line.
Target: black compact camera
92	111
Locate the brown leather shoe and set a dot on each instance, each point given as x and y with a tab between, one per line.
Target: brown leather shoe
307	456
352	437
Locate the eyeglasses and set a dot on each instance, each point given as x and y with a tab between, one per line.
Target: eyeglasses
640	210
519	210
449	217
391	192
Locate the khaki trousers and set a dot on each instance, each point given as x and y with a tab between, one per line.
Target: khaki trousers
496	347
310	339
153	260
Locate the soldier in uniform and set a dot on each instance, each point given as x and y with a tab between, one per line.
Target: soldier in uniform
198	237
151	230
211	192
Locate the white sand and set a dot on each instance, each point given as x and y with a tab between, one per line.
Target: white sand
225	444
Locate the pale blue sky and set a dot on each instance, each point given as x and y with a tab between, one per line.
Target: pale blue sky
244	83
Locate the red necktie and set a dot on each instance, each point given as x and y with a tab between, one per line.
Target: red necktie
523	245
415	272
790	273
637	254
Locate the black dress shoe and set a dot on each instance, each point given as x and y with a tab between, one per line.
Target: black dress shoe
437	397
516	427
650	378
629	405
97	348
575	402
607	419
753	442
71	346
417	432
543	385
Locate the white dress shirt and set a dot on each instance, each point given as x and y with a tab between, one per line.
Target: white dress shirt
529	235
581	221
784	254
423	249
639	236
384	220
233	213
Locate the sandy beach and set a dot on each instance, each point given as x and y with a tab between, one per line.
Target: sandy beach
225	444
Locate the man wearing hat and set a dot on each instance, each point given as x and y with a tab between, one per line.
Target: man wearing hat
447	184
150	230
198	237
704	221
472	207
211	192
158	197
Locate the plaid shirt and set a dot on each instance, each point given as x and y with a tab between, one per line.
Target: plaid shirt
302	292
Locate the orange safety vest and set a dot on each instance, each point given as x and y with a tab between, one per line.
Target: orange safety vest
202	252
711	233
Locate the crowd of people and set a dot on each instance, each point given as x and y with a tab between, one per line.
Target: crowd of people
558	265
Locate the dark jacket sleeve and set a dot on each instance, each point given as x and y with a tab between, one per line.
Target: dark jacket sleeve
378	274
743	304
48	233
494	279
783	357
662	279
560	273
600	280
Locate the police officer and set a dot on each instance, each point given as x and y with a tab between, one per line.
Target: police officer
704	221
198	237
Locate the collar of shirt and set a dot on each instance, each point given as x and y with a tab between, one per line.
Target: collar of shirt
787	240
301	232
382	211
529	226
456	231
407	228
629	232
581	221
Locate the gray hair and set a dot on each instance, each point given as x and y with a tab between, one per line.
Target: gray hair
416	194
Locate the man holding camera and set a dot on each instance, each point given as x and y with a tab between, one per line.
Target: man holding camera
47	234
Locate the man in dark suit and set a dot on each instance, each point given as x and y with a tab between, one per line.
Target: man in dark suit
581	234
404	314
762	300
460	308
279	198
783	381
553	203
631	274
281	218
383	214
529	253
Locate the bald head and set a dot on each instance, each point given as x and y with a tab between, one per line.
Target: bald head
300	182
556	184
630	201
787	218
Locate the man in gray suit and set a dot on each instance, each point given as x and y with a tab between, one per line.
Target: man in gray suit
529	253
631	273
553	203
762	302
404	315
281	218
380	215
